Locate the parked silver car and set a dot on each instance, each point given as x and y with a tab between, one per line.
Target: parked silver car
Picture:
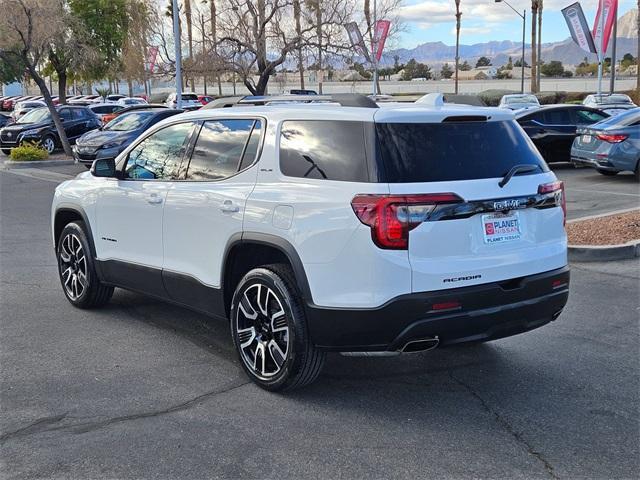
612	103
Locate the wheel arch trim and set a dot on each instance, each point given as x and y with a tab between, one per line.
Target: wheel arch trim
273	241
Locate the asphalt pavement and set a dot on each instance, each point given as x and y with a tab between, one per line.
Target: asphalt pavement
143	389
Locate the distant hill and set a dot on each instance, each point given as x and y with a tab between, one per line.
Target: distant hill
566	51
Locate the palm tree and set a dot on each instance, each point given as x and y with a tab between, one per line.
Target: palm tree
539	42
534	57
187	13
458	15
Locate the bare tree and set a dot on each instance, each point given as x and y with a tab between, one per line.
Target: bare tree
259	35
136	42
26	37
458	15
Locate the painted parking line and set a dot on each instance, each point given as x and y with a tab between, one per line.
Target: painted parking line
40	174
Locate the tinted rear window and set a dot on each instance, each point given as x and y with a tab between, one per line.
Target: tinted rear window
323	149
436	152
189	96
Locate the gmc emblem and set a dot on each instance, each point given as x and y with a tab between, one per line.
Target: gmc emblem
502	205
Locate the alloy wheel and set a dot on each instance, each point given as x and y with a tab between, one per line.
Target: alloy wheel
262	331
73	266
49	145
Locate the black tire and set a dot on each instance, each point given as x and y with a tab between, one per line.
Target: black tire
636	174
45	141
302	362
6	151
606	173
88	294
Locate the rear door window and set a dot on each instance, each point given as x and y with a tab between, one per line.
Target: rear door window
324	150
437	152
587	117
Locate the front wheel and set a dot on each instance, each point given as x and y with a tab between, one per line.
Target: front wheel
270	331
49	144
76	267
6	151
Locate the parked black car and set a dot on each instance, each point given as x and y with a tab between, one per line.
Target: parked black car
115	136
553	127
37	126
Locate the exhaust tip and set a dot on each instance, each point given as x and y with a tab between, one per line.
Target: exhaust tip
421	345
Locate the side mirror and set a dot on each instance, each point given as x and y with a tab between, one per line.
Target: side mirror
104	167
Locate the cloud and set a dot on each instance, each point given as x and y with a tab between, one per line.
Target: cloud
464	30
431	12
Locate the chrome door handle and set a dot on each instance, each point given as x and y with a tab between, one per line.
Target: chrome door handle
154	199
229	207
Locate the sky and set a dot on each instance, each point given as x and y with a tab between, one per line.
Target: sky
485	20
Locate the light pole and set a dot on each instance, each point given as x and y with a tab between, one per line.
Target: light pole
523	16
178	52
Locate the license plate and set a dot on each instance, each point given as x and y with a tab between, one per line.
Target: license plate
501	227
586	138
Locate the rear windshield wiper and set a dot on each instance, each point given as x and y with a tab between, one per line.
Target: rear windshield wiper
522	168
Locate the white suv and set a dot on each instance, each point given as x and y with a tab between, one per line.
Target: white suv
325	227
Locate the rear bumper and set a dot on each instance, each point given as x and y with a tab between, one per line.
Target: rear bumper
612	163
486	312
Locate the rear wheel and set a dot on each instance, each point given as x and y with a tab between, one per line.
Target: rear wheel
76	267
607	173
270	332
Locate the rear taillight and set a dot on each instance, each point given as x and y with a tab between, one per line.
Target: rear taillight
612	138
392	217
557	190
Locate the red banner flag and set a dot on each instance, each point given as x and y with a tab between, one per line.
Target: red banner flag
380	36
609	9
153	54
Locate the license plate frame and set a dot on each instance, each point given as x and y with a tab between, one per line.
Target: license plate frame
586	138
501	227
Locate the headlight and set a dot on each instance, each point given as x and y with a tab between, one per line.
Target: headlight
31	132
114	144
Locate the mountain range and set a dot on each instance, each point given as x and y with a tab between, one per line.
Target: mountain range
566	51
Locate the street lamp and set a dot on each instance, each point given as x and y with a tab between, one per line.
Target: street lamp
523	16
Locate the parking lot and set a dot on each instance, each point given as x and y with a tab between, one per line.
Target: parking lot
142	389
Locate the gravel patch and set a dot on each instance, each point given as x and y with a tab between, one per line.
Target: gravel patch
609	230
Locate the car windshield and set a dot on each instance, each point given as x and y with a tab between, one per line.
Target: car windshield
36	116
128	121
609	99
522	99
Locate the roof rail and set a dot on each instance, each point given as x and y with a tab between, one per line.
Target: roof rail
343	99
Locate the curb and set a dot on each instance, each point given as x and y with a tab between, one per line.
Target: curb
36	163
604	253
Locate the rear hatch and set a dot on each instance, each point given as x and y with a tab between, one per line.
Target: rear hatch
464	228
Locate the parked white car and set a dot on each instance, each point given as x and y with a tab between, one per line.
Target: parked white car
25	107
128	101
316	227
519	101
113	98
188	100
